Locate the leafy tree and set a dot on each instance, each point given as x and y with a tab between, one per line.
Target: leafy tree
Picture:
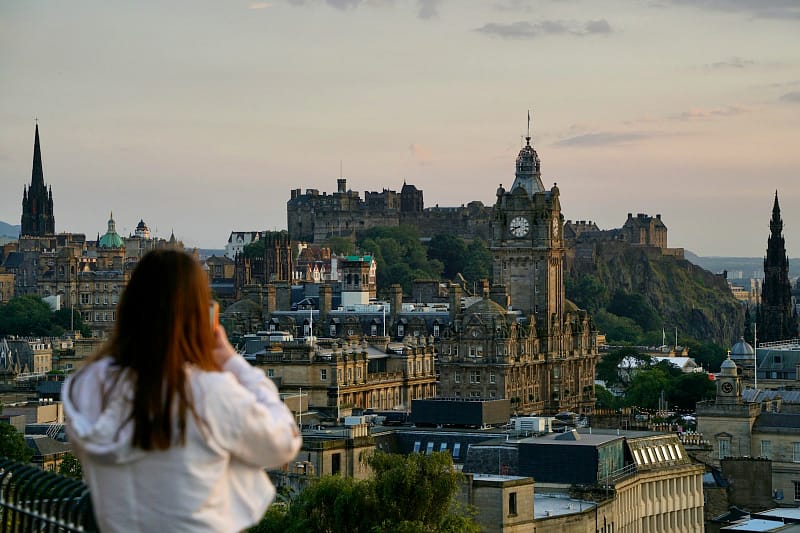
254	249
341	246
62	319
618	329
635	307
688	389
28	315
706	354
12	444
478	263
406	494
71	467
605	400
400	256
588	293
646	386
607	367
451	251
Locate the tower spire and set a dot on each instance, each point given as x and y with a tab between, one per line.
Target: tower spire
37	175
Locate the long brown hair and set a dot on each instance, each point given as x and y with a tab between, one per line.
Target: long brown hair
162	324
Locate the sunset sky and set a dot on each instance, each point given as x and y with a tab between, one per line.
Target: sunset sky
201	116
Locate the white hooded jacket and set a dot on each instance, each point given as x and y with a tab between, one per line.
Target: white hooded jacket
215	483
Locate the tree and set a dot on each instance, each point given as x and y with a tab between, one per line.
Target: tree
411	493
70	467
617	328
341	246
646	386
637	308
605	400
62	319
688	389
478	264
588	293
451	251
254	249
400	256
608	368
12	444
28	315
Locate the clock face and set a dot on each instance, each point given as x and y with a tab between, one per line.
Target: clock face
727	387
519	226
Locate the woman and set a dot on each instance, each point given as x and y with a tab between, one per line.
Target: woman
174	429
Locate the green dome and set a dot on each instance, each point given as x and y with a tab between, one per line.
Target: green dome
111	239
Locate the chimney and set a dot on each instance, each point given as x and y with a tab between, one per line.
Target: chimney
325	294
342	184
455	302
270	301
396	300
483	286
499	296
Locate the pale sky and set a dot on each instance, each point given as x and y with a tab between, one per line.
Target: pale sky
201	116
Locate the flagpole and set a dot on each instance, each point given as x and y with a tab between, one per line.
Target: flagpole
755	355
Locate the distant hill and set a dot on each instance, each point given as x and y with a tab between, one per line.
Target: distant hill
750	267
7	230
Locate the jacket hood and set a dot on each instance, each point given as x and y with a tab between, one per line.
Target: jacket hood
97	401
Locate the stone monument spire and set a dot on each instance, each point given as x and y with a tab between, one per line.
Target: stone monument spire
777	317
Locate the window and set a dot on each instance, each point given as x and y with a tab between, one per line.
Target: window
349	375
271	372
442	446
323	374
429	449
333	330
358	373
457	450
512	504
796	490
796	452
373	330
85	298
724	448
457	377
474	376
417	445
766	449
473	351
436	330
455	349
492	394
401	330
475	394
492	377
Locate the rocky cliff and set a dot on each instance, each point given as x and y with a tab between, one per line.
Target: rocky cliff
683	295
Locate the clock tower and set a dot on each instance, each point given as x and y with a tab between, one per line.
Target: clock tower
527	244
729	384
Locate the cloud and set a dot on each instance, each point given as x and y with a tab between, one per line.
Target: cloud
792	97
259	5
606	138
527	30
733	62
772	9
342	5
420	154
706	114
428	9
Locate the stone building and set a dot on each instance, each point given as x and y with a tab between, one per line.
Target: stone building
644	230
315	217
777	315
752	423
335	374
